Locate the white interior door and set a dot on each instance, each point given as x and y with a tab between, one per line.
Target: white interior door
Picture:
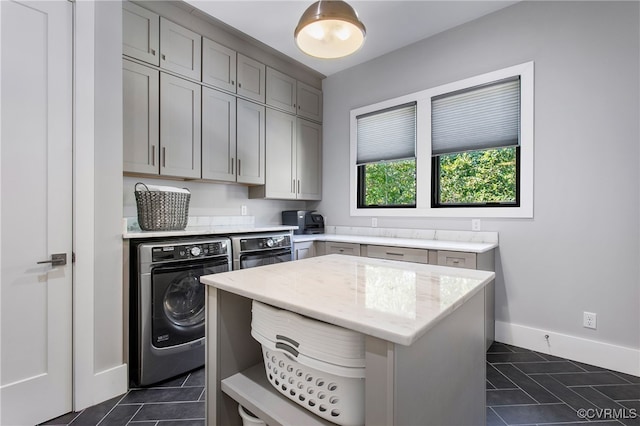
35	211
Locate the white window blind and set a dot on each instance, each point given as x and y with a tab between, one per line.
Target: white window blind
481	117
388	134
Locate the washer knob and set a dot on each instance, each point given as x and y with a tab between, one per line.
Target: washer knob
270	242
195	251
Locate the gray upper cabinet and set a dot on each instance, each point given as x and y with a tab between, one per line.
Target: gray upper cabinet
218	135
308	160
293	159
218	65
251	78
180	49
180	137
141	106
281	91
250	139
309	102
281	152
140	33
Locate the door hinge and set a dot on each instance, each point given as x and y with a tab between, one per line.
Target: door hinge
73	257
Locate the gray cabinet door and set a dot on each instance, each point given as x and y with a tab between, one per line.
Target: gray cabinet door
140	33
218	135
309	102
251	78
180	137
218	65
180	49
140	118
280	155
281	91
309	161
250	137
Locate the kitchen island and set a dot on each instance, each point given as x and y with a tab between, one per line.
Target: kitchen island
423	327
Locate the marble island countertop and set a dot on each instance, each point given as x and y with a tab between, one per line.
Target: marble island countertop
392	300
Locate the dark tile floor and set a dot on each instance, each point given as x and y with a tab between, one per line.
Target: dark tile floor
531	388
176	402
523	388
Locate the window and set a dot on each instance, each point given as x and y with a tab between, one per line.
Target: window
475	139
467	150
386	158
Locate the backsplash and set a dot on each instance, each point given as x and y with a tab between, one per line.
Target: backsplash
131	223
423	234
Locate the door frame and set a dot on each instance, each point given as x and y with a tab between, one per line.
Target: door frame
89	385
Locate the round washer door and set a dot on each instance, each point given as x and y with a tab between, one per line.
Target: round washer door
183	301
178	301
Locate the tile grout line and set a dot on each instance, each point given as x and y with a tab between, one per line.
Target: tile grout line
499	416
134	414
112	408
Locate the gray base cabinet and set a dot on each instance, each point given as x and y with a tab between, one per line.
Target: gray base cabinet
439	380
303	250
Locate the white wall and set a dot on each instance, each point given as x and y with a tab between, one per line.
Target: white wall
581	250
216	199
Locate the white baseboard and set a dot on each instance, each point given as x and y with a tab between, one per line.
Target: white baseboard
110	383
605	355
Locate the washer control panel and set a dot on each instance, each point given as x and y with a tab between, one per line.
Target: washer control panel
190	250
265	242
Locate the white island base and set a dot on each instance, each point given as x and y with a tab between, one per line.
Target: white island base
436	379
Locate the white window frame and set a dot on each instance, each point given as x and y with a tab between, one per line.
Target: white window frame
423	150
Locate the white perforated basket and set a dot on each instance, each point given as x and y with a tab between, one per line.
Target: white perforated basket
335	398
333	391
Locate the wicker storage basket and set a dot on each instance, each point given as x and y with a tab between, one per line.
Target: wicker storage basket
163	210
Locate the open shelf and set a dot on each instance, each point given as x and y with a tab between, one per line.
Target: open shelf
253	391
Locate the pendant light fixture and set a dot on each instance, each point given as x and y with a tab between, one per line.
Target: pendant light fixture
329	29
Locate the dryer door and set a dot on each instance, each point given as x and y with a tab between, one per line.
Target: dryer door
178	301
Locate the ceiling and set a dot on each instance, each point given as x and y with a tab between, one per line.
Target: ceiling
390	24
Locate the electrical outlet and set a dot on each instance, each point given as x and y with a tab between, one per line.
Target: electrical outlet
475	224
243	210
589	320
374	222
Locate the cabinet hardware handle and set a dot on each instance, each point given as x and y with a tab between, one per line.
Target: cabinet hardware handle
164	58
153	155
298	186
164	157
232	83
57	259
298	106
239	164
293	186
153	52
390	253
232	161
240	85
294	106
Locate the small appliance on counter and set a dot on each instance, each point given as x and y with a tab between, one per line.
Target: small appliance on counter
307	221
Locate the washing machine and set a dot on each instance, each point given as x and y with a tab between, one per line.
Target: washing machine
167	305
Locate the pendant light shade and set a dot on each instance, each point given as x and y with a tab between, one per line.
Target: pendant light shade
329	29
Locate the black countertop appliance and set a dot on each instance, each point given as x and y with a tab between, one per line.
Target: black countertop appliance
307	221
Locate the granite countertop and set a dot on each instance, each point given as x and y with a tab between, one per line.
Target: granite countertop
466	246
392	300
